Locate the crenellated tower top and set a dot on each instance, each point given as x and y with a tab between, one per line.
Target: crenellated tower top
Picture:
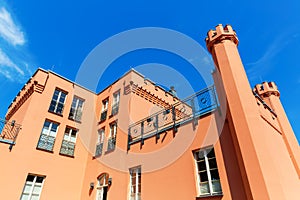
266	89
221	33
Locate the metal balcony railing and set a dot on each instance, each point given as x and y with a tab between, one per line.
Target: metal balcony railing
67	148
9	131
190	109
46	142
99	149
111	144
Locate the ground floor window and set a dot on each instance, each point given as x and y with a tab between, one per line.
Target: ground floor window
102	186
135	183
33	187
207	171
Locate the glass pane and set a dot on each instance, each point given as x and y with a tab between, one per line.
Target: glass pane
37	189
30	178
216	186
199	155
73	133
214	174
201	165
52	105
212	163
55	95
39	179
139	188
210	153
204	188
27	188
203	176
62	97
24	197
35	197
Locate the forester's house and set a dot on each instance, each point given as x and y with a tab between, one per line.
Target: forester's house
134	140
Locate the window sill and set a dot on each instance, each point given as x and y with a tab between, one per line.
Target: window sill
55	113
70	156
109	151
74	120
49	151
210	196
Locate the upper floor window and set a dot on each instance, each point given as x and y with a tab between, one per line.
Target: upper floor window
33	187
58	101
48	135
104	109
69	141
112	136
100	142
135	183
76	109
209	180
115	104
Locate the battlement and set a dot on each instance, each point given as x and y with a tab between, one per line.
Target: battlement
266	89
221	33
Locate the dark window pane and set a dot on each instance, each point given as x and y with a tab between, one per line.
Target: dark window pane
212	163
211	153
201	165
203	176
214	174
39	179
30	178
200	155
139	188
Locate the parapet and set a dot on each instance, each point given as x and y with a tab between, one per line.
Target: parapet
266	89
221	33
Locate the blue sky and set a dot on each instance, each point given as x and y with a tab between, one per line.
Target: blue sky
58	35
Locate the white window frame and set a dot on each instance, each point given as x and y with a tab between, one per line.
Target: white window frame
136	171
113	130
101	136
105	103
77	110
48	132
68	135
32	186
57	101
205	152
116	98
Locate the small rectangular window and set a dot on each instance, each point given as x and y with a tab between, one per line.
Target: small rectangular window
69	141
48	135
104	109
76	109
33	187
115	104
207	170
135	183
111	143
58	101
100	142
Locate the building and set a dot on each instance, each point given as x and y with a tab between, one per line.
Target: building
134	140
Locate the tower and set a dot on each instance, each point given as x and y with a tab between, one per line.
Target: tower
251	131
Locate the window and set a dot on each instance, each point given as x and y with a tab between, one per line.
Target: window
207	170
135	183
100	141
115	104
104	109
112	136
48	135
33	187
102	186
68	143
76	109
58	101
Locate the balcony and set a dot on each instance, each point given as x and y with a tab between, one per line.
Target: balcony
9	132
46	142
103	116
187	110
99	148
111	144
67	148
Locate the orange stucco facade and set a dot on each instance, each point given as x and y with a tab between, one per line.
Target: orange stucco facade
134	140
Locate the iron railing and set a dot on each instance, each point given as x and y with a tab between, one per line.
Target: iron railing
99	149
111	144
46	142
190	109
67	148
8	132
